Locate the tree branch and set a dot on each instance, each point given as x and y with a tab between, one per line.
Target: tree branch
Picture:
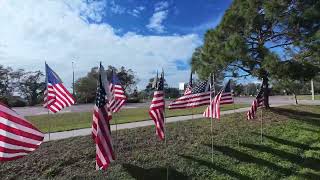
245	75
242	68
284	44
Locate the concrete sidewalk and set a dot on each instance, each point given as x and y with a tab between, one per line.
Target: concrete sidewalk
87	131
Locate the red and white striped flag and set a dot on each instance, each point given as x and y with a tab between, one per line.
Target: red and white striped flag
57	96
223	97
213	110
257	102
18	137
189	86
199	96
118	97
156	111
101	131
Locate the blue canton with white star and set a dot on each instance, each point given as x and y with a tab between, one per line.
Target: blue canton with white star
101	95
200	87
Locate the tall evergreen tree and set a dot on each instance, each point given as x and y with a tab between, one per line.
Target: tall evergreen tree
251	34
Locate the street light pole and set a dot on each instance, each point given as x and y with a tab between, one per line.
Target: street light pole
312	89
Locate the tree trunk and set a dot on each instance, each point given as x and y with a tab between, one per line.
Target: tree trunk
265	84
295	98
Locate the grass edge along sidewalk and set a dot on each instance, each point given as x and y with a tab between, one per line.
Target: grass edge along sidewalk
72	121
290	150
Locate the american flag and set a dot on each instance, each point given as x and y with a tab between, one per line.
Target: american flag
57	96
223	97
226	94
258	102
118	97
156	111
189	86
101	131
199	96
18	137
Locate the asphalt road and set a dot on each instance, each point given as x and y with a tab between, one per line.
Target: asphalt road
33	111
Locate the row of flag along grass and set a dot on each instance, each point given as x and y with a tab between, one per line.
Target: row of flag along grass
18	137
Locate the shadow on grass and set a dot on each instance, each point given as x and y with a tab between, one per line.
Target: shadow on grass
289	143
307	117
216	167
309	129
153	173
312	163
310	175
244	157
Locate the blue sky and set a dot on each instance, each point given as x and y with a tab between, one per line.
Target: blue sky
144	35
178	16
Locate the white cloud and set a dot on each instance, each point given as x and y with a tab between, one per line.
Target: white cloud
116	9
161	6
159	15
35	31
136	11
94	10
156	21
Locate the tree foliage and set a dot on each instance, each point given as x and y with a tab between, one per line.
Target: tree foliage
32	86
252	31
85	87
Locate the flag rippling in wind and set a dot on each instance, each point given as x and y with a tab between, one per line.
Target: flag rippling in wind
199	96
57	96
18	137
223	97
189	86
156	111
118	97
101	131
257	102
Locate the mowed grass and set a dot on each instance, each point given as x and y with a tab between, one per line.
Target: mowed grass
69	121
308	97
290	150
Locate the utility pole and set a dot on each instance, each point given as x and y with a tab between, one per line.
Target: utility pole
73	80
312	90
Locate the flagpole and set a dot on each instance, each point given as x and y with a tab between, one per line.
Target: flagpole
73	91
235	118
165	129
211	83
45	66
261	133
116	121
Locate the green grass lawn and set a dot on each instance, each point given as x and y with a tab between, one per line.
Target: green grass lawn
69	121
308	97
290	150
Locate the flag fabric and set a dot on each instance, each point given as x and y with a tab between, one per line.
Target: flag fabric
101	131
118	97
199	96
189	86
223	97
156	111
257	102
18	137
226	94
57	96
214	108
